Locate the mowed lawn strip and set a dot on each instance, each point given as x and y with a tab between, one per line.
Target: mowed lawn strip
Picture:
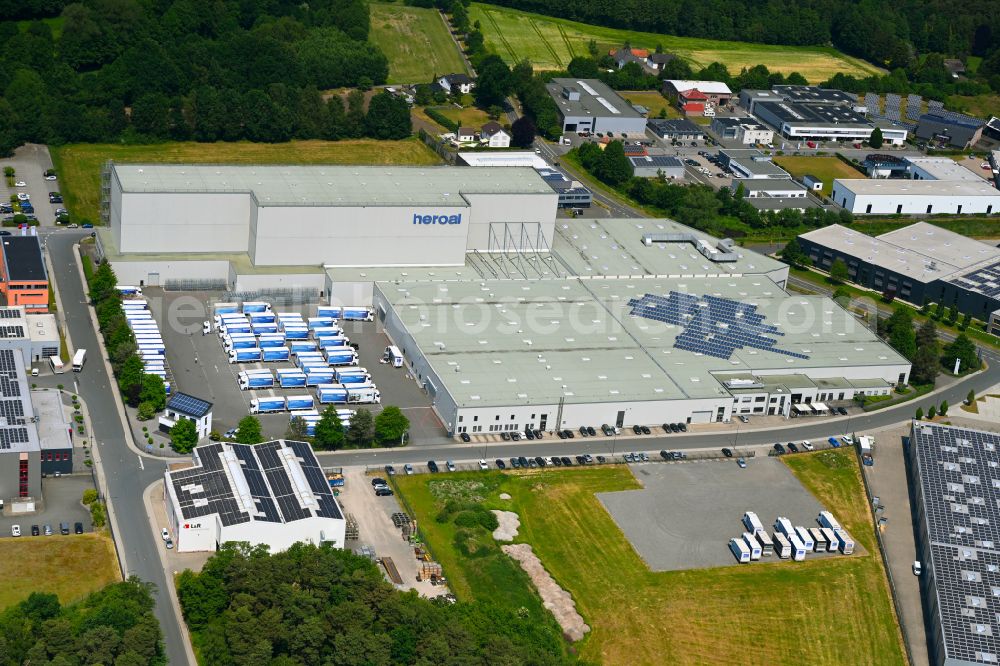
825	168
653	101
550	43
70	567
79	165
415	41
835	609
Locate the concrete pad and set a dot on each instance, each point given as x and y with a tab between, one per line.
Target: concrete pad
685	515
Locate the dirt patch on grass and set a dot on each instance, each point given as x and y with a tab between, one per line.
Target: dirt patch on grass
509	524
557	600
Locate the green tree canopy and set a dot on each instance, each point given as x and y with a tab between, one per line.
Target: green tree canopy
493	83
130	379
153	391
838	271
248	430
614	167
103	284
184	436
876	140
390	425
329	433
962	349
793	252
361	429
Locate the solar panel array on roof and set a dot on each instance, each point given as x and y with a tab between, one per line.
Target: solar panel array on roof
317	480
959	477
712	325
263	501
188	404
205	490
10	313
982	280
872	102
11	332
12	411
10	436
281	486
934	105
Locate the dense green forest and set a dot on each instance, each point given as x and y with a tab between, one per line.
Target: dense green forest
185	69
883	31
311	605
114	625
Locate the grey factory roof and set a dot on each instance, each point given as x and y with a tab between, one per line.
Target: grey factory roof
276	482
924	188
666	161
596	99
812	115
600	248
815	94
516	342
921	251
333	185
17	433
755	162
957	475
666	127
762	184
942	168
781	203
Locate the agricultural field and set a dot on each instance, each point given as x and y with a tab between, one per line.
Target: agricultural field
981	106
416	42
79	165
835	609
825	168
550	43
653	101
70	567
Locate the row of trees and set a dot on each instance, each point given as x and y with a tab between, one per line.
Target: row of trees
319	605
145	392
634	76
387	428
724	212
114	625
233	69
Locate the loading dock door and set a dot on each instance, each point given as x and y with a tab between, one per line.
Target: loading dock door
701	417
620	421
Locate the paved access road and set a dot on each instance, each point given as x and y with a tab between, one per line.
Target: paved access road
126	473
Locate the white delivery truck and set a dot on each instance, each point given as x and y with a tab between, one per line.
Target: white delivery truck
393	357
740	550
58	367
79	358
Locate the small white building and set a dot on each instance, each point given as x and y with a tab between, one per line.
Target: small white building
770	187
494	135
273	494
812	182
184	406
465	135
751	134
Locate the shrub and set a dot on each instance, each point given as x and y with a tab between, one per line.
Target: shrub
89	496
145	411
97	516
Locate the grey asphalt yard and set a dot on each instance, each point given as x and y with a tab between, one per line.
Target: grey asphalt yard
62	505
686	513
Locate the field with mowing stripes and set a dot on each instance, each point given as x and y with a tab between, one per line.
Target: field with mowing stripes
416	42
835	610
550	43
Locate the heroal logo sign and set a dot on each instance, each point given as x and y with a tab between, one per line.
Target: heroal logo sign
437	219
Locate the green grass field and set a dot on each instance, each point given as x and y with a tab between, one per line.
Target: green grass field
982	106
653	101
836	610
826	168
68	566
416	42
550	43
79	165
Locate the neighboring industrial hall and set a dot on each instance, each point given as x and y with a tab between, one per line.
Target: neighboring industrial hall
589	105
954	479
916	186
918	263
273	494
34	431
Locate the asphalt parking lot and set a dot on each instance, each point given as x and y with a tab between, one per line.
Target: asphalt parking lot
62	505
30	162
686	513
198	365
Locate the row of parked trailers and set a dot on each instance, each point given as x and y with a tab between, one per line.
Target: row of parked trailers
148	340
789	541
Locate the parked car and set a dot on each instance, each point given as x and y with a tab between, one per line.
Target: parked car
666	455
34	530
516	436
505	436
607	430
601	459
637	429
561	434
390	470
556	461
587	458
483	465
742	463
523	461
743	418
917	568
63	528
164	533
540	461
792	447
842	411
566	461
465	437
87	225
514	463
169	544
500	464
379	481
569	434
591	432
432	466
537	433
532	463
451	465
408	468
529	434
683	427
583	431
779	449
645	430
383	491
643	457
15	530
727	452
807	445
47	530
20	183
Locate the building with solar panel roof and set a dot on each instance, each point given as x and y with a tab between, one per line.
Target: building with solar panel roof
957	491
272	494
20	447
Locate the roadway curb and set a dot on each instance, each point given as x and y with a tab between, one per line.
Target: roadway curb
168	573
129	437
95	454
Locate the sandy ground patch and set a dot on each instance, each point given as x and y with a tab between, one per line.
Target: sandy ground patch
509	522
557	600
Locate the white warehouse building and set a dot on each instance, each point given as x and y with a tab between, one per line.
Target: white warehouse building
282	226
272	494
